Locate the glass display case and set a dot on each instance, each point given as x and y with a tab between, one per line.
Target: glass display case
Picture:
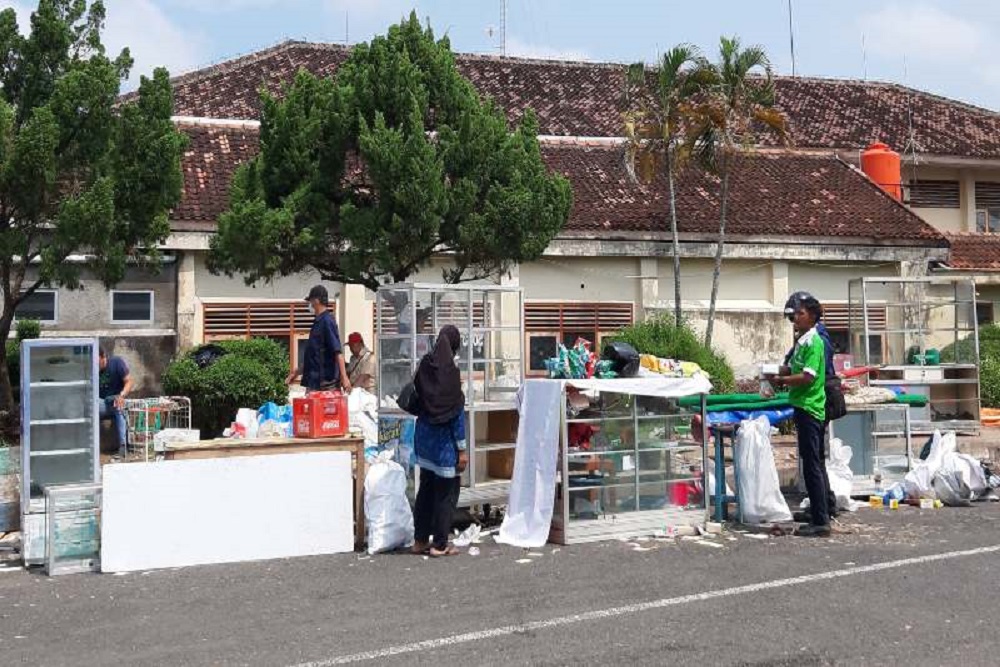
627	465
490	319
59	427
923	333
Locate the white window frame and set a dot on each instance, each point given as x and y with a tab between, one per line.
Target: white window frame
152	306
55	306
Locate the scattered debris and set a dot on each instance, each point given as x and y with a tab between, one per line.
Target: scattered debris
473	551
522	561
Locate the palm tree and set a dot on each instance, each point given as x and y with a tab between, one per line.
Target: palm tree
726	122
654	125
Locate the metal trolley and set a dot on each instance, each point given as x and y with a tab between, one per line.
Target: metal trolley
147	417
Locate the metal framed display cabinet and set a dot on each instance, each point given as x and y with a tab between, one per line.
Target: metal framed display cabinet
490	319
59	428
627	465
924	335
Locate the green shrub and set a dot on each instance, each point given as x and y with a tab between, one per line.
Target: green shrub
662	337
28	329
25	330
964	352
263	350
989	381
250	374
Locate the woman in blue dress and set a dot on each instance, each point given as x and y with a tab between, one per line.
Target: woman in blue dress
439	441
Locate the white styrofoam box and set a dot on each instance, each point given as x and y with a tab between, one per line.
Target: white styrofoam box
178	513
923	374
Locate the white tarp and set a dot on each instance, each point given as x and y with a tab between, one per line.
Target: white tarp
532	487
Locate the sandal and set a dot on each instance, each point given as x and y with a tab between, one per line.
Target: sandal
450	550
420	548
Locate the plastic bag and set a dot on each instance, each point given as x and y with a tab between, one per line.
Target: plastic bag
624	358
206	355
387	511
918	483
959	480
838	470
757	477
247	418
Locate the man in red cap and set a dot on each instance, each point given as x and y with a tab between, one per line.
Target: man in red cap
361	369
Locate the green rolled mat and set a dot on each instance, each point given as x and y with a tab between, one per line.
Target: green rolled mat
770	404
914	400
732	399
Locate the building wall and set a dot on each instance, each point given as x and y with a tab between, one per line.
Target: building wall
212	286
146	347
829	282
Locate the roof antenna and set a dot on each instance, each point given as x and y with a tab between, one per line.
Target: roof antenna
791	35
864	57
347	28
503	28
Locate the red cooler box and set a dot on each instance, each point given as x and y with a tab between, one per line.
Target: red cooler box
320	415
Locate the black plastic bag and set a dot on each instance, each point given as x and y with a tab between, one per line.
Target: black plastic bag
624	357
409	399
206	355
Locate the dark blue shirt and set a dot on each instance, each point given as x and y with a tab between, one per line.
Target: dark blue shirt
112	378
320	369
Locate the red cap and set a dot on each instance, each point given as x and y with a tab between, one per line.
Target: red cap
355	338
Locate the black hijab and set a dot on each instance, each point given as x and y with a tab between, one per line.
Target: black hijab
439	382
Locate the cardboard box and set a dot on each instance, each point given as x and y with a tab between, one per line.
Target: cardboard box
500	463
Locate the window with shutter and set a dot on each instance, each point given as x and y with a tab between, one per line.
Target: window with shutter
837	318
987	207
285	322
547	325
935	194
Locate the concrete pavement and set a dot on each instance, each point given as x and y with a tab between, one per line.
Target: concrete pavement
747	602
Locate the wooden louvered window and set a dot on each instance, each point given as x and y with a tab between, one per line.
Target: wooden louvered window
987	207
548	324
935	194
285	322
837	318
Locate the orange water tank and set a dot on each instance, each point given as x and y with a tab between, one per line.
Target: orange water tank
881	163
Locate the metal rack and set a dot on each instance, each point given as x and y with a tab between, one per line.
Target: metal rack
147	417
617	487
490	319
864	428
921	315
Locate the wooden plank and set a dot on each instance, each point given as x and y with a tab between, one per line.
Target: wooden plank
233	447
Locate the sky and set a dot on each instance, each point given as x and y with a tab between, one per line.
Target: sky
942	46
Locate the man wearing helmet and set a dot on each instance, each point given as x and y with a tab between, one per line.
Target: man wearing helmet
805	377
834	398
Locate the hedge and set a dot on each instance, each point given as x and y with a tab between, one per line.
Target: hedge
251	373
662	337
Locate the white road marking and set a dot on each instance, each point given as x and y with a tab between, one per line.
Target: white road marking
597	614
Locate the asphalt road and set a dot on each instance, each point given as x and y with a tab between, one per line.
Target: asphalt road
909	587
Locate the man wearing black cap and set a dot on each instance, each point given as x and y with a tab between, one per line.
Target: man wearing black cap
323	364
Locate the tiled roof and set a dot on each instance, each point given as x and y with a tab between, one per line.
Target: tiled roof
975	252
584	99
772	194
211	158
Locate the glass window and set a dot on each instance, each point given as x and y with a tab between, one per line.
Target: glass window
40	306
131	306
984	313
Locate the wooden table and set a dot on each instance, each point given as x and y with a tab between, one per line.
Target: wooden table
226	447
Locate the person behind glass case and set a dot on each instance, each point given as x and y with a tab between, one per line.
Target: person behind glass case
115	384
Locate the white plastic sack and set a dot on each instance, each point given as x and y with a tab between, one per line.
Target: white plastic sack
362	407
959	480
247	418
919	482
387	511
757	477
838	471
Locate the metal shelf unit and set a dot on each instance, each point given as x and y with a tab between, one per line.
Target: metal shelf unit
921	314
490	319
640	459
